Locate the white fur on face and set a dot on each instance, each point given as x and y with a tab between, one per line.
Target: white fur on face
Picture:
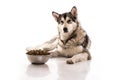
70	26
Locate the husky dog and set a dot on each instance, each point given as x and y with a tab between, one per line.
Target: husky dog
72	41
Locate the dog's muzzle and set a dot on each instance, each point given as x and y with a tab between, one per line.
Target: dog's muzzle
65	29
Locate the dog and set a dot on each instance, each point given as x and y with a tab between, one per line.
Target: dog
72	41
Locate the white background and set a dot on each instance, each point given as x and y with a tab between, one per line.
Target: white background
26	23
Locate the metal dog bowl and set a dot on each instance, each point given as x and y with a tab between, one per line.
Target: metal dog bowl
38	59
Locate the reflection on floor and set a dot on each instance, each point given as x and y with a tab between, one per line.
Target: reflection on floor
57	69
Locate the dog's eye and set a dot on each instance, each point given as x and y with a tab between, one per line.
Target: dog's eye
69	21
61	22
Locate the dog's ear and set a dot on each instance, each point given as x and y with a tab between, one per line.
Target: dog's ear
55	15
74	11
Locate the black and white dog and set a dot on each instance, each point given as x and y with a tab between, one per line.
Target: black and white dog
72	41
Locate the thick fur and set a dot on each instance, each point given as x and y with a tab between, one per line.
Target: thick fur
72	41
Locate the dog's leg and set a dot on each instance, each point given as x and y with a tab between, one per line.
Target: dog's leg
54	53
84	56
50	45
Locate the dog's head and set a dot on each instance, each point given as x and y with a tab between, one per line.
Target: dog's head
67	22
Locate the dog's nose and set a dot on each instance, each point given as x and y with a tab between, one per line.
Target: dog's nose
65	29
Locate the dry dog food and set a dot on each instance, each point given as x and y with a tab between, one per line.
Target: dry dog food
38	52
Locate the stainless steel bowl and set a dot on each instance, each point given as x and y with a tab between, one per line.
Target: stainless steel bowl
38	59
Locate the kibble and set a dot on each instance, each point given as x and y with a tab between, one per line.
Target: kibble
38	52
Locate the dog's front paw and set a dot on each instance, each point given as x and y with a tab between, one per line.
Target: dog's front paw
69	61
